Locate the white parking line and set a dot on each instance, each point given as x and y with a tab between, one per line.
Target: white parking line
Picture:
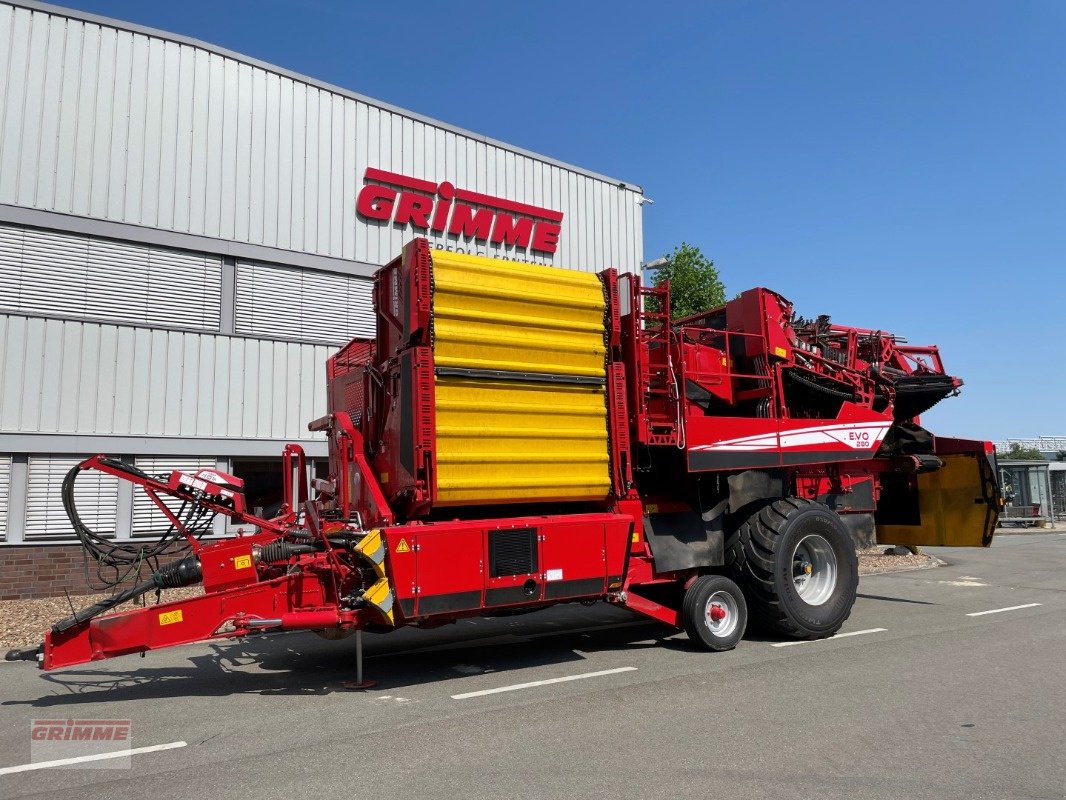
838	636
531	684
1000	610
63	762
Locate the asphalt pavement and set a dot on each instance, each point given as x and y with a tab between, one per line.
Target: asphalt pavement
943	683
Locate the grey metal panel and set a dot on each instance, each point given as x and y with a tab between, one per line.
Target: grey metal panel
100	119
290	303
95	497
84	378
62	273
5	488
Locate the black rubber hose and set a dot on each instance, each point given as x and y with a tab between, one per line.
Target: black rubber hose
107	604
180	573
128	559
817	387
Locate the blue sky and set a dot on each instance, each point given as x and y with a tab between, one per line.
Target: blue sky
896	165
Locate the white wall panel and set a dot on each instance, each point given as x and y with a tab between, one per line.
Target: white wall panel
140	129
66	376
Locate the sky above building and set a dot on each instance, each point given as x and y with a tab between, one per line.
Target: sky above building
896	165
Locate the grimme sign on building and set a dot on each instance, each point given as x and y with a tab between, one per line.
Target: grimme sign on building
439	209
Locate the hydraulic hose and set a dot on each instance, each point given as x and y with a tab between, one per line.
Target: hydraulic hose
817	387
107	604
180	573
127	559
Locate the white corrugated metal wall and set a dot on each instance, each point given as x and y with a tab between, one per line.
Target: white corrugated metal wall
84	378
133	128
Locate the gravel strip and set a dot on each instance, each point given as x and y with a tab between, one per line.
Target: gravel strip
878	560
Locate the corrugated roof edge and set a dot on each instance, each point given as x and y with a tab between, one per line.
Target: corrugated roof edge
133	27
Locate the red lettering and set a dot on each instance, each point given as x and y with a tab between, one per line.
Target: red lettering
546	236
440	215
467	222
427	206
375	202
509	230
414	209
38	733
446	193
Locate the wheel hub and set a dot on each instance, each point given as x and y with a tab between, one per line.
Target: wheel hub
722	614
814	569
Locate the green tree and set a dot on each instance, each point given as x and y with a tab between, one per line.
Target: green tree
1016	452
694	282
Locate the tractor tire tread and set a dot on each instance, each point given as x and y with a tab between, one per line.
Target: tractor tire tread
750	553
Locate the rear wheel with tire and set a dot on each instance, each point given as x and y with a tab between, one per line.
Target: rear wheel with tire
714	612
796	562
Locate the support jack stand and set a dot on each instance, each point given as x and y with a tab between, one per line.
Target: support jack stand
359	685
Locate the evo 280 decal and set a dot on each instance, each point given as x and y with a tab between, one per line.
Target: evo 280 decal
855	435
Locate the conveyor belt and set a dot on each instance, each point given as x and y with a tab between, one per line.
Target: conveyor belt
520	400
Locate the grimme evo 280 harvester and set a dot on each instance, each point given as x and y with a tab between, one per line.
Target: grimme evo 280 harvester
517	436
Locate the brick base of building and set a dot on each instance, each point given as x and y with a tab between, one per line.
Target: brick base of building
37	570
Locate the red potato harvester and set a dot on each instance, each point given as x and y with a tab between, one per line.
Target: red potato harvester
517	436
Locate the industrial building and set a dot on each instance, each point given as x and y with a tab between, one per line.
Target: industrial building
1034	488
186	234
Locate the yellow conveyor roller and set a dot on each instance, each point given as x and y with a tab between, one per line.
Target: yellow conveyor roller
538	431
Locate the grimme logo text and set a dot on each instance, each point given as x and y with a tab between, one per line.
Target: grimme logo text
442	208
80	730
